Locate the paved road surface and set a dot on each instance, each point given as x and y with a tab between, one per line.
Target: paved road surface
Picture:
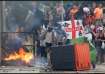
40	66
21	69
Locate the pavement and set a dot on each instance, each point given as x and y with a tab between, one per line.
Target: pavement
40	66
25	69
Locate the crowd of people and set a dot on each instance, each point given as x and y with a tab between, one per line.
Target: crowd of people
93	22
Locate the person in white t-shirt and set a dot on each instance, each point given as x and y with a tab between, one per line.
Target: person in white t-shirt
49	41
88	33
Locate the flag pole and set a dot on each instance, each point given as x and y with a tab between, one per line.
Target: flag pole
73	27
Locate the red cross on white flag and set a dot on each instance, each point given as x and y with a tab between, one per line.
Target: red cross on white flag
73	29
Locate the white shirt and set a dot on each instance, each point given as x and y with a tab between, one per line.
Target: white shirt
48	38
88	36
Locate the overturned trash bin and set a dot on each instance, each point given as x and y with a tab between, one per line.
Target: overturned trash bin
82	56
71	57
62	57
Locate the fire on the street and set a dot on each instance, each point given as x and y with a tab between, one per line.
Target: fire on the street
20	55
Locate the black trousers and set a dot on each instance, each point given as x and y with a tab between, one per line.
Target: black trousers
48	45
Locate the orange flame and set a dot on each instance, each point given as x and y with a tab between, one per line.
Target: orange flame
21	55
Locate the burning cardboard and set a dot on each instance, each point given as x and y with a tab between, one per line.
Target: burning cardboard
20	55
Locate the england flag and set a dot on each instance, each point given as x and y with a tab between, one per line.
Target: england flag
74	29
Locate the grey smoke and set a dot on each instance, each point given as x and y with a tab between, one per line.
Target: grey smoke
20	16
